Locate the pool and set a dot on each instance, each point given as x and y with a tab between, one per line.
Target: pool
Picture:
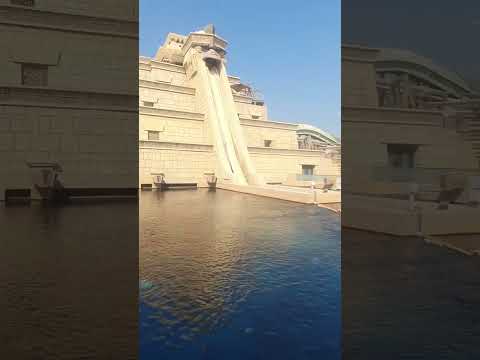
69	281
225	275
405	299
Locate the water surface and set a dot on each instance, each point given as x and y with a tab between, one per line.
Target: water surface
69	281
225	275
405	299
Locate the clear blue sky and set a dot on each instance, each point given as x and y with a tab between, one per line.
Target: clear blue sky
288	50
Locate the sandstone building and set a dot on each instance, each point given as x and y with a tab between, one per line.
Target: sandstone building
68	92
197	120
410	128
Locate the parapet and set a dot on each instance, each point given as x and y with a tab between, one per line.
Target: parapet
171	50
176	46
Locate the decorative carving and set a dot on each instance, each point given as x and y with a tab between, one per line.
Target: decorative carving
212	58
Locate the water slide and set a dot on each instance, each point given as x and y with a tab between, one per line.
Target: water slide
234	165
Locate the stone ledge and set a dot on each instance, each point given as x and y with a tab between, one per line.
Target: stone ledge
165	145
393	216
382	115
242	99
69	99
144	110
33	18
165	86
149	64
294	195
268	124
291	152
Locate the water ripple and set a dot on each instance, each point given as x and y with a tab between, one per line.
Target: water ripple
225	266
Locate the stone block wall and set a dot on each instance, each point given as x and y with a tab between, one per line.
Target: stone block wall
358	76
247	109
95	148
278	166
84	116
174	129
168	99
152	70
439	147
75	60
256	132
179	163
184	150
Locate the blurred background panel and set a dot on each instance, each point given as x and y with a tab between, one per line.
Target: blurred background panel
68	179
411	170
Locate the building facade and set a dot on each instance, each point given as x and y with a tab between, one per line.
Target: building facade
196	120
68	92
409	127
399	109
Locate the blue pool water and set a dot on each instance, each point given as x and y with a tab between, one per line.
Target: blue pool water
405	299
225	275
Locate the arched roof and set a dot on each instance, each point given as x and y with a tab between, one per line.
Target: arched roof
318	133
407	61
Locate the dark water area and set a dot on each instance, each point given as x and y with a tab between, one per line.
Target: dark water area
404	299
69	281
225	275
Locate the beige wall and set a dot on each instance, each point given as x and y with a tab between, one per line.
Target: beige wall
283	136
371	129
174	128
189	163
179	162
282	166
95	148
152	70
76	60
185	151
177	155
249	110
85	118
173	99
358	77
367	129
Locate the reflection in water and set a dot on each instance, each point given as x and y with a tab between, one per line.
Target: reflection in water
223	272
68	281
404	299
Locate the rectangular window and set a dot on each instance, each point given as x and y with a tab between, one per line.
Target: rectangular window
307	170
267	143
401	155
255	117
29	3
34	75
148	103
153	135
